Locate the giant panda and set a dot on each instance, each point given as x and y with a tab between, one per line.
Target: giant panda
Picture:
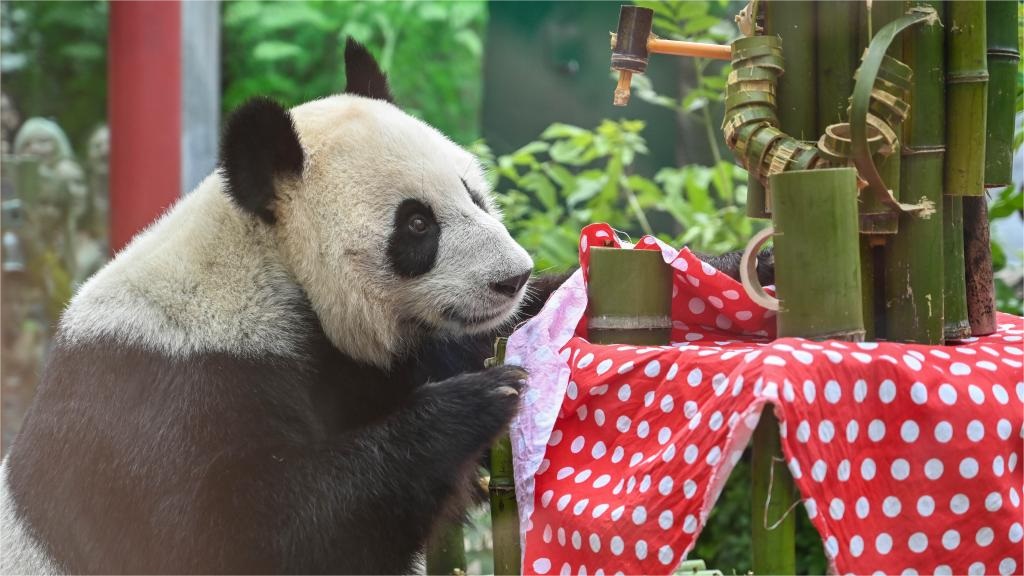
243	388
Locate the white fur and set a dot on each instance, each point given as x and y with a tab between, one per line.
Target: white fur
20	553
205	277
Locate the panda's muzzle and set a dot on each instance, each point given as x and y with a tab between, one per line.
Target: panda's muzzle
511	286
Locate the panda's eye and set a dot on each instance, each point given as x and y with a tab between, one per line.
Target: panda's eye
418	224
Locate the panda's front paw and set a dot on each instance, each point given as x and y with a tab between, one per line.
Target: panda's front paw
480	405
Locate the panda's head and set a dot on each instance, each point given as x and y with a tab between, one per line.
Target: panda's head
387	225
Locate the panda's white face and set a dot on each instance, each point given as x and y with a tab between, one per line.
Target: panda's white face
393	224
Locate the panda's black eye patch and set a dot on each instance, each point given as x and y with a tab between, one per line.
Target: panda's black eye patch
412	247
474	196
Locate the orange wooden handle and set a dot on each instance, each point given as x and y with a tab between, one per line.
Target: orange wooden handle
681	48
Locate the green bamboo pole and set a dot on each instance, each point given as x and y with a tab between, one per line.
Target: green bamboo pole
869	305
446	554
967	92
502	489
956	324
1003	59
794	22
914	257
836	60
634	312
772	496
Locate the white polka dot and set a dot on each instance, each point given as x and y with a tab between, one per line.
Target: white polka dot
891	506
812	507
690	524
542	565
773	360
900	469
809	391
947	394
652	369
546	497
665	555
689	488
744	315
577	444
1000	394
1004	429
566	472
876	430
1016	532
912	362
831	546
833	356
716	302
1007	566
976	394
665	520
696	305
832	392
925	506
826	431
803	431
625	367
639	515
582	476
975	430
794	468
918	542
968	468
918	393
669	453
993	502
623	423
690	454
843	470
580	506
856	546
933	469
604	366
563	502
950	539
943	570
619	453
959	369
860	390
599	510
852	428
599	417
716	421
959	503
713	456
909	431
986	365
617	545
836	508
731	294
618	512
887	391
602	481
635	459
643	429
585	361
1011	463
883	543
666	404
595	543
867	469
805	358
818	470
943	432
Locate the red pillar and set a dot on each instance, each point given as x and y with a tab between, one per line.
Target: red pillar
144	99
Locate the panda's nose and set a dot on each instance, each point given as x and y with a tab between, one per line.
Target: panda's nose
510	286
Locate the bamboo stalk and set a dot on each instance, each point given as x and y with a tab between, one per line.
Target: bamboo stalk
1003	59
954	296
979	280
446	554
967	89
914	257
502	489
797	104
868	278
772	495
836	48
629	297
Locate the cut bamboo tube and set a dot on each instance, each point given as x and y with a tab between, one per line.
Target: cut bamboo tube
629	297
914	257
957	325
502	489
967	89
1003	59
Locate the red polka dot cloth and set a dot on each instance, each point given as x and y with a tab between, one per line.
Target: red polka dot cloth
907	457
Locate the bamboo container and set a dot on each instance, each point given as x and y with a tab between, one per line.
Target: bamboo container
967	92
956	325
914	257
502	489
1003	59
629	297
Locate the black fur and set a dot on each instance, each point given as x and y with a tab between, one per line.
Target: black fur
411	253
363	76
259	145
130	461
729	263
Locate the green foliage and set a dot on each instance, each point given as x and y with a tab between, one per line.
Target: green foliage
294	51
55	63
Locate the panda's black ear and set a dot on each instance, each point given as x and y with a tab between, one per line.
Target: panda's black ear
362	74
259	146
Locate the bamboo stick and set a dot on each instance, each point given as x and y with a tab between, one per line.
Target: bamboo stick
836	49
797	108
967	89
979	279
914	257
695	49
629	297
502	489
447	552
772	494
1003	59
956	325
